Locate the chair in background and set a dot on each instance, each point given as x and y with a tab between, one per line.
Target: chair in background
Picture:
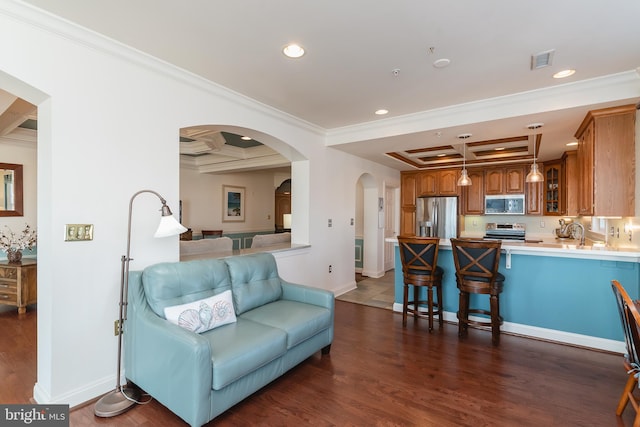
476	263
630	319
419	256
212	233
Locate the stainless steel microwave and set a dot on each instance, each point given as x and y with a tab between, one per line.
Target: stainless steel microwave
508	204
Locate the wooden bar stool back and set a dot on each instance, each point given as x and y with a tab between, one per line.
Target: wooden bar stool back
630	319
476	263
212	233
419	256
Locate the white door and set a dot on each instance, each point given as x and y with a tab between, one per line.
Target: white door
389	228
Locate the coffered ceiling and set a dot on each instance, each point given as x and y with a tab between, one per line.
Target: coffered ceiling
362	56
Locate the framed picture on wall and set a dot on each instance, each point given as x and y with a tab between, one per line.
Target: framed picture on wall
233	203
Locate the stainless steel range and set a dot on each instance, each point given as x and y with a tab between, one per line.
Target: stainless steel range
497	231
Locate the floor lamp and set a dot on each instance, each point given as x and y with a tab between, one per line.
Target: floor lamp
122	398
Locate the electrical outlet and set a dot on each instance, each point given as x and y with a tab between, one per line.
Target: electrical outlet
330	268
116	327
330	223
541	224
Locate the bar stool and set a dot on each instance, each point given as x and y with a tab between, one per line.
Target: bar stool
476	263
419	257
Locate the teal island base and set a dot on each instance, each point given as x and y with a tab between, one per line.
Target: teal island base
556	298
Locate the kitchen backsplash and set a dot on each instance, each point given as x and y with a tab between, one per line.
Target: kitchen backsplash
612	232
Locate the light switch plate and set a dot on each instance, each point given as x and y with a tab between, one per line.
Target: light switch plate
78	232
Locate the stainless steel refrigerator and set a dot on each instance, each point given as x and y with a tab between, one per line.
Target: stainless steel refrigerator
437	217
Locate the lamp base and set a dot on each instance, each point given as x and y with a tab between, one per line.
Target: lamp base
115	403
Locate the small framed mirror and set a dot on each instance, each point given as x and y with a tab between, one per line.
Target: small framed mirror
11	191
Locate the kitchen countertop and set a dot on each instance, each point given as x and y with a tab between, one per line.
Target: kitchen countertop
559	248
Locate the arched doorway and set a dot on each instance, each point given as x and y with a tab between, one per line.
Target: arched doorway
283	206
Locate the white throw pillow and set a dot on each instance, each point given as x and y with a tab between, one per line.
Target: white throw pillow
203	315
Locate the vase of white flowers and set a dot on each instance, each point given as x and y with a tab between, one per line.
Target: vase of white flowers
13	244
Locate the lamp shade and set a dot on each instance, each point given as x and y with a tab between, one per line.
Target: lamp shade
534	175
286	220
169	226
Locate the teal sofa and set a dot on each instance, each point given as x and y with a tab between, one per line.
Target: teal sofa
198	376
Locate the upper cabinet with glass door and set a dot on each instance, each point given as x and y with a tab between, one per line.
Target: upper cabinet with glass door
553	188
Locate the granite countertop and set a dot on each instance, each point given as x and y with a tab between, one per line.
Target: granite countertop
560	248
281	247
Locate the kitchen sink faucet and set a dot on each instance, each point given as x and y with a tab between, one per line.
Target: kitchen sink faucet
573	225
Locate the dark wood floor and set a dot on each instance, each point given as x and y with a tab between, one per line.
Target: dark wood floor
381	374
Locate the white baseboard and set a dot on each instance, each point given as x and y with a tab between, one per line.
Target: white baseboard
78	396
348	287
544	334
373	274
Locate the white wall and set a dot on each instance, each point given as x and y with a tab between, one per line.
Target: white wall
108	127
201	196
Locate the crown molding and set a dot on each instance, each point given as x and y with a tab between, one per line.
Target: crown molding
614	87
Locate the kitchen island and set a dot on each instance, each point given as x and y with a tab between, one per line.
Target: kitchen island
553	291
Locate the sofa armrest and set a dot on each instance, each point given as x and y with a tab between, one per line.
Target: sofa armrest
170	363
307	294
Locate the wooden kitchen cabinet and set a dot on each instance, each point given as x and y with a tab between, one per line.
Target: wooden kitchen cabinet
533	198
19	284
504	180
408	195
494	181
570	183
473	195
438	183
606	162
553	188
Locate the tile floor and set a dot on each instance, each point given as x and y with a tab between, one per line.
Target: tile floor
372	292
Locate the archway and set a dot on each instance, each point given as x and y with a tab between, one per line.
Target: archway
214	155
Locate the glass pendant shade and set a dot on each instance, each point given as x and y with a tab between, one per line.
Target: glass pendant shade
464	179
534	175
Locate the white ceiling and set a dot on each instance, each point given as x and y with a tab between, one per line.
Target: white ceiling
353	46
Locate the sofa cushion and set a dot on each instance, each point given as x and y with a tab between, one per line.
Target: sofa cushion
254	280
174	283
239	348
203	315
299	320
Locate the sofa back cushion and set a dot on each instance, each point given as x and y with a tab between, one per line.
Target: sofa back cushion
173	283
254	280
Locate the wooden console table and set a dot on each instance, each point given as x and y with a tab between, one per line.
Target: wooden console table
19	283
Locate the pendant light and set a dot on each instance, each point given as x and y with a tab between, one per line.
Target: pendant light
534	175
464	179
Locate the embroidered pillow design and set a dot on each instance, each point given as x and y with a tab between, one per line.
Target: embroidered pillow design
203	315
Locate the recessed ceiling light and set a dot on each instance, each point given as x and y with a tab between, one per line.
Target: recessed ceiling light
564	73
246	138
571	144
499	148
441	63
382	112
293	51
441	155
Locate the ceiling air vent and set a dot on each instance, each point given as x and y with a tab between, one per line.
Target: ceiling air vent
542	59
